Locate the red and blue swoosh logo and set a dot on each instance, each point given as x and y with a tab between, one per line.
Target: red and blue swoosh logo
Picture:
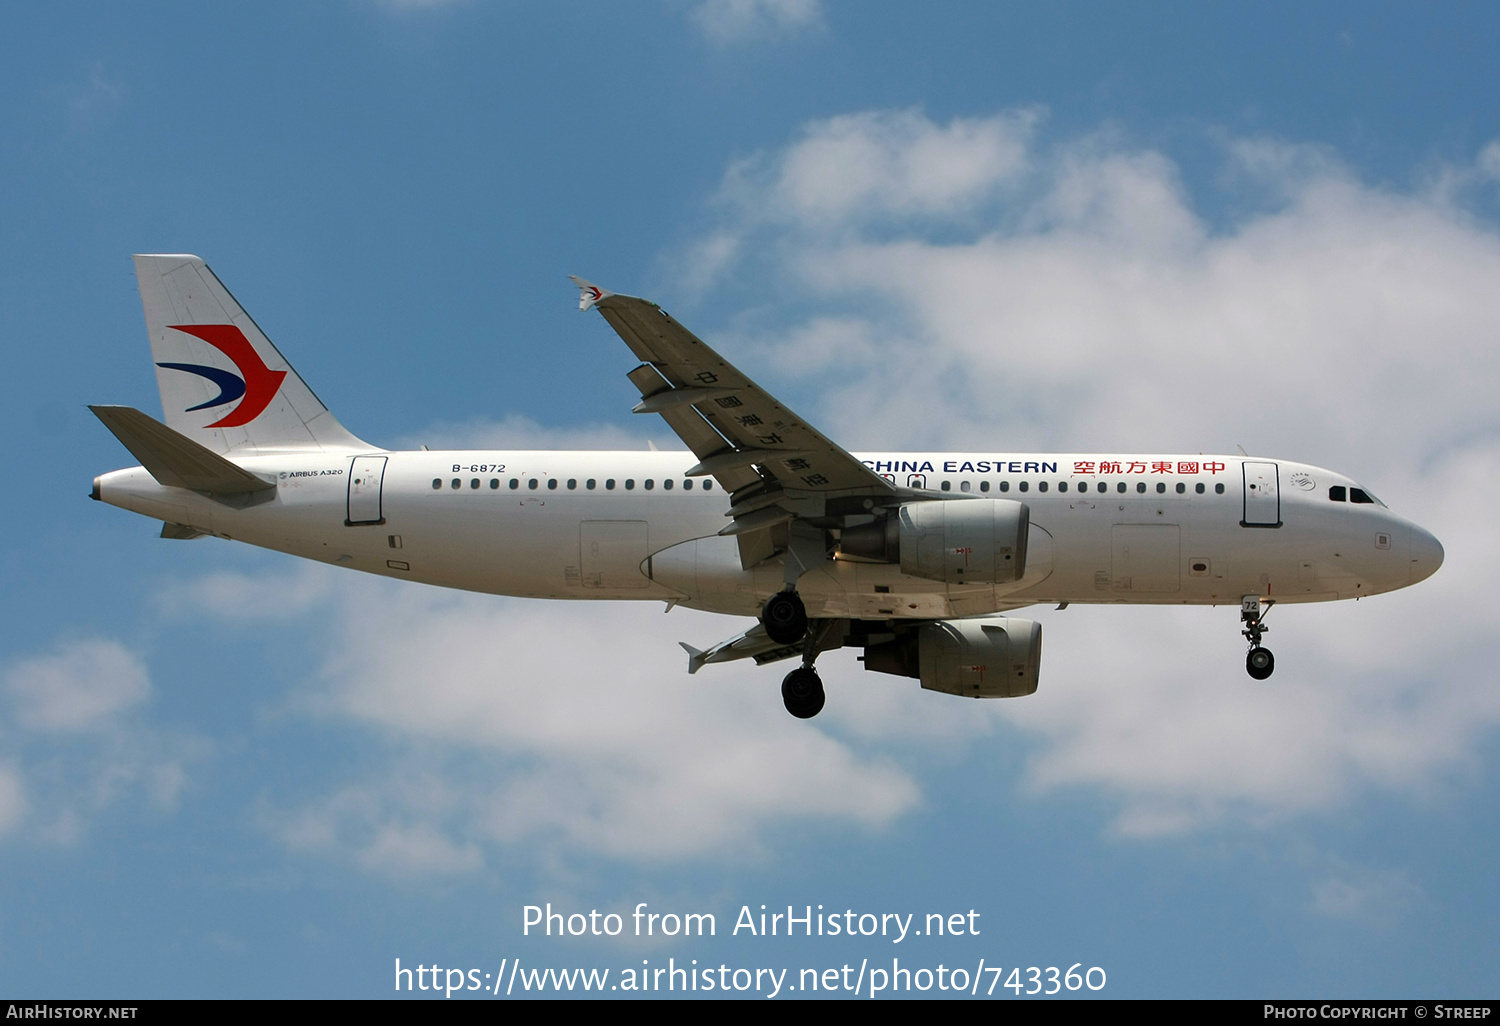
256	384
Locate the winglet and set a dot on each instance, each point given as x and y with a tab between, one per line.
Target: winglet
589	294
695	657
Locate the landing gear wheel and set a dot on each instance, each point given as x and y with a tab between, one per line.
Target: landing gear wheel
785	618
1260	663
802	692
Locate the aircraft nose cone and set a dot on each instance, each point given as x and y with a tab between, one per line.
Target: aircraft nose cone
1426	554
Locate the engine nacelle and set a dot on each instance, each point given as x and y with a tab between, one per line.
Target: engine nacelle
999	658
958	541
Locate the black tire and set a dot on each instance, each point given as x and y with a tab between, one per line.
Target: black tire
784	617
802	693
1260	663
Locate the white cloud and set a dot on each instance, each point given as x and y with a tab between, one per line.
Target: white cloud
519	727
729	21
12	799
1344	324
249	598
1371	897
394	826
856	168
83	686
707	259
1489	161
79	742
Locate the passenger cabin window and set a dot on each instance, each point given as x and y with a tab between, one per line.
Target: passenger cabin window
474	483
984	486
514	484
1024	485
572	483
456	483
552	484
1041	486
1181	487
1161	486
629	483
667	484
947	486
1140	486
494	483
707	485
1005	486
609	484
1103	487
1219	488
589	484
963	486
650	484
1062	486
1337	493
1198	487
437	482
687	485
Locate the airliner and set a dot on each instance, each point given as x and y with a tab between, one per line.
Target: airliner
915	558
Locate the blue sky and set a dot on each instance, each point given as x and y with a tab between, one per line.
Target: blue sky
1082	227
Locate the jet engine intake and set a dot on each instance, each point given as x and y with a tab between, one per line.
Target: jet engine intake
998	658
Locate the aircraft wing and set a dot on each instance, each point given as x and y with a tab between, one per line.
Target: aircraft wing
775	465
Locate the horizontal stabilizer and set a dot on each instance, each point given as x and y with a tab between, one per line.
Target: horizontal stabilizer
174	459
752	644
695	657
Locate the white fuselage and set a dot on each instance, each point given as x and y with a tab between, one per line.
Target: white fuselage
629	525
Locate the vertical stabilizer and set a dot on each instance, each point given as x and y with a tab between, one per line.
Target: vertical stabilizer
223	384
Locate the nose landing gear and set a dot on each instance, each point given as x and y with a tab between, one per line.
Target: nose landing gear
1259	662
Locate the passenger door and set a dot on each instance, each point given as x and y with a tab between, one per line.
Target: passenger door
1262	495
366	475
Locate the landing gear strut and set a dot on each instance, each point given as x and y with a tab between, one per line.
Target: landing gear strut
785	618
802	690
1259	662
802	693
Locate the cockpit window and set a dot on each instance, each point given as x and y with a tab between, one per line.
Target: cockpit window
1360	495
1336	493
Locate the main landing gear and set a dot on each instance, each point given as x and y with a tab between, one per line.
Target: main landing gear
1259	662
784	617
802	693
785	620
